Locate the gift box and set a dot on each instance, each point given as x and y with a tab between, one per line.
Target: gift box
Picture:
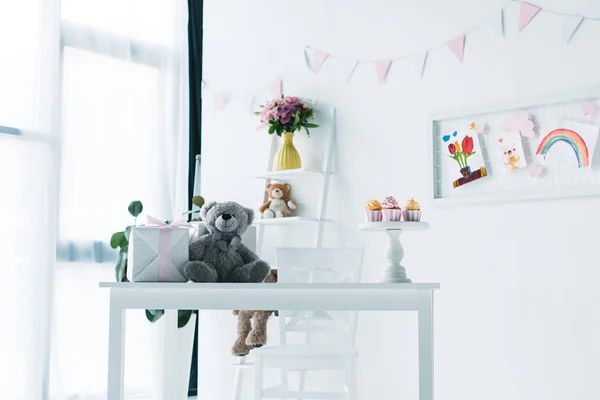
158	253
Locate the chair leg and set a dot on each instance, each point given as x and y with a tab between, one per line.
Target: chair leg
258	378
239	383
351	379
302	382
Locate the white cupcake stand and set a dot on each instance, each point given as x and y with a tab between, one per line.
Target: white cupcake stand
394	272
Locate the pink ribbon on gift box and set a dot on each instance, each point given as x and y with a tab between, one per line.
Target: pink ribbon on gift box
164	245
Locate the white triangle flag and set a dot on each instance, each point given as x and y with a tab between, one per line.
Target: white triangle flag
419	63
350	67
495	23
570	23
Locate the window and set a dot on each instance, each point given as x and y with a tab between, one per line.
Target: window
123	128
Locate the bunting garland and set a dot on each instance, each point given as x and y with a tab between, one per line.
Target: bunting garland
495	23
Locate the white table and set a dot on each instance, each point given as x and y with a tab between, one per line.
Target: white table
394	272
281	296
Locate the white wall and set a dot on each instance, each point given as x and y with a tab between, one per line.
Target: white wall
518	314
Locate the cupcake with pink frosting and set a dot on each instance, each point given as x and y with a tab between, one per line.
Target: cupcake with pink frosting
390	209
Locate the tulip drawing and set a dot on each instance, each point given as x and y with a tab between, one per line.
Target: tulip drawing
460	152
467	145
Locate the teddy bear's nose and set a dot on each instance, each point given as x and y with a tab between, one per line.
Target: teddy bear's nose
226	217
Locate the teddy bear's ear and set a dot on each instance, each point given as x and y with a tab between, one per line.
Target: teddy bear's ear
207	206
288	186
250	213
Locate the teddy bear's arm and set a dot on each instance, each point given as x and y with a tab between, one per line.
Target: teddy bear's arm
265	206
292	204
198	247
246	254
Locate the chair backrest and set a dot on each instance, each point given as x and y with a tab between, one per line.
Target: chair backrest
319	265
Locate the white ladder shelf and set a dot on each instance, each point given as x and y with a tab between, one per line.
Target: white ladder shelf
296	174
319	219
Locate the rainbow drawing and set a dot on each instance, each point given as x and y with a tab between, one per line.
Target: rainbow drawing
568	136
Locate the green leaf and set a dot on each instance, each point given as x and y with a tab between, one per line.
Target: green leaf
128	232
297	119
135	208
118	239
307	132
307	125
183	317
271	129
154	315
121	267
198	201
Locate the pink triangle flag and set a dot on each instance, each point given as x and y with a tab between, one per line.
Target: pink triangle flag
526	14
220	99
457	46
318	58
382	67
275	88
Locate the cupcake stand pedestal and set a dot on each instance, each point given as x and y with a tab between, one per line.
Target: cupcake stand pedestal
394	272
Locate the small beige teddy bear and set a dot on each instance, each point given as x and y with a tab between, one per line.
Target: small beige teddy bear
279	204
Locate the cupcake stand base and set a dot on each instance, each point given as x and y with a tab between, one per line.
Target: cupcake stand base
394	272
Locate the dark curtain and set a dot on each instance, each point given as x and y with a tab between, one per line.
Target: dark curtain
195	17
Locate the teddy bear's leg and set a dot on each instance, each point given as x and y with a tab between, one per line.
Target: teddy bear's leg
253	272
258	335
199	271
240	348
269	213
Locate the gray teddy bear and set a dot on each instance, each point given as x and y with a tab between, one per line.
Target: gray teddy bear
219	255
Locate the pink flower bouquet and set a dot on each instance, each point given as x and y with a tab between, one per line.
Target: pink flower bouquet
287	114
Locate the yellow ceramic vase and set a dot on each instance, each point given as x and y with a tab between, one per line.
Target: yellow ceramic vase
287	156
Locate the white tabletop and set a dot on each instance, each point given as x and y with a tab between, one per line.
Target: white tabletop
262	286
269	296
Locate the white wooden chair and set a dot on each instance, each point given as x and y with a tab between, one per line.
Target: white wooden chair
312	265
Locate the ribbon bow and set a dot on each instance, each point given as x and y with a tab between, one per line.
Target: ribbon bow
151	221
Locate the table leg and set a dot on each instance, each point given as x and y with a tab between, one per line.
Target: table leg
394	272
116	350
425	345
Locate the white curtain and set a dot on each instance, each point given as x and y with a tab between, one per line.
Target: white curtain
93	114
29	60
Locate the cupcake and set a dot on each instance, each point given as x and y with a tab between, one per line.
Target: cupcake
412	211
391	210
373	211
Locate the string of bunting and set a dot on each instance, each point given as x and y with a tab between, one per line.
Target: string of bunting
316	58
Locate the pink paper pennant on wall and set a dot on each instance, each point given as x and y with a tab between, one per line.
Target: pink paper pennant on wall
275	88
457	46
382	67
220	100
588	108
526	14
317	60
